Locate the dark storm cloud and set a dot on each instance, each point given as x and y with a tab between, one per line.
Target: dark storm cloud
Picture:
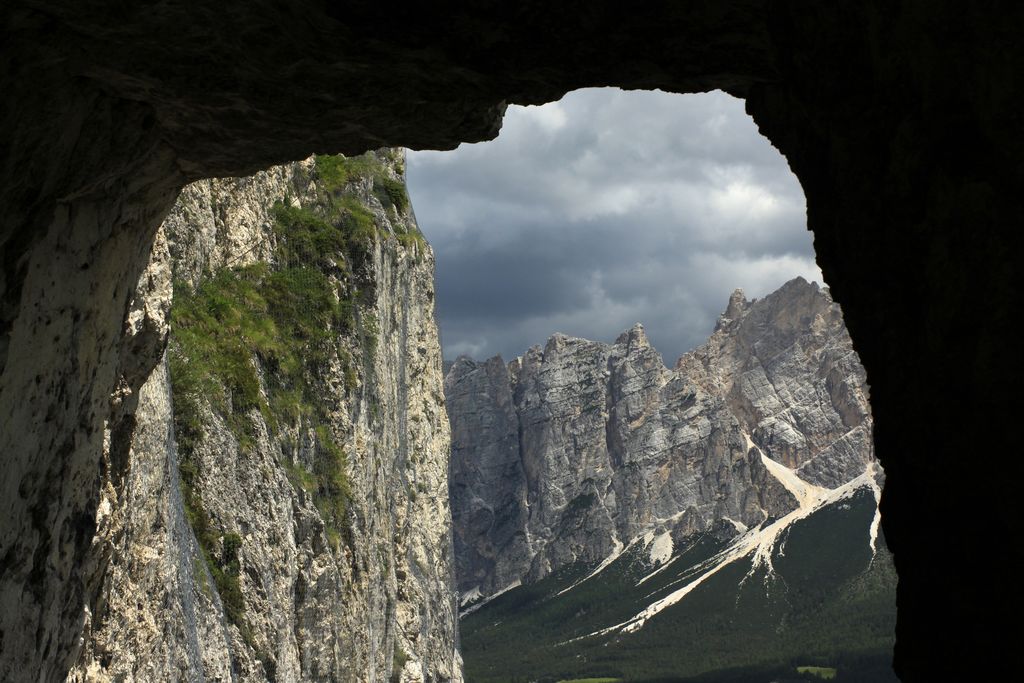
604	209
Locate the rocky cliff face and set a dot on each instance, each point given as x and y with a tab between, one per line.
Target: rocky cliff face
573	451
284	512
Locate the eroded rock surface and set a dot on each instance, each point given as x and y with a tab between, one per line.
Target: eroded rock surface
360	594
573	450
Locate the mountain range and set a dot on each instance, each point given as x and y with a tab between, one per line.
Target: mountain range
617	518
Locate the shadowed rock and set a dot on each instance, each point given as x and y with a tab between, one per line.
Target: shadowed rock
901	122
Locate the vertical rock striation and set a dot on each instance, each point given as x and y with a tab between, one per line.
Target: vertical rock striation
570	452
283	514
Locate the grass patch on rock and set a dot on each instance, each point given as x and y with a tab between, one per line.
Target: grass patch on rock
826	673
253	343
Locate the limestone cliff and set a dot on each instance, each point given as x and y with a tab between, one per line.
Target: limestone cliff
569	453
284	515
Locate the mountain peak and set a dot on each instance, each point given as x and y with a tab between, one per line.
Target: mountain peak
737	305
463	361
605	439
796	286
635	336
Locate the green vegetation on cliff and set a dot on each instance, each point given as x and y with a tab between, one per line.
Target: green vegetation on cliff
256	342
337	171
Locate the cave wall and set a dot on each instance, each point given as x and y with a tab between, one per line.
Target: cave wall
901	119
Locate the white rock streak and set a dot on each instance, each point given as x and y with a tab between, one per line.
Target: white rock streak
760	542
661	549
469	596
472	608
618	550
877	519
740	526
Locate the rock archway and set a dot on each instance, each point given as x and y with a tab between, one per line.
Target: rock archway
900	119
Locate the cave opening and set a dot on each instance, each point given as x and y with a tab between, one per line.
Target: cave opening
902	123
587	216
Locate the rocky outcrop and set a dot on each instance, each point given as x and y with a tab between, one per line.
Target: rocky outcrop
570	452
303	534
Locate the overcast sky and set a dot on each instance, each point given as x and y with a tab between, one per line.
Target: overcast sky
605	209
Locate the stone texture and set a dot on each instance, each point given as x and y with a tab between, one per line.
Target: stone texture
314	611
901	121
570	452
155	618
226	221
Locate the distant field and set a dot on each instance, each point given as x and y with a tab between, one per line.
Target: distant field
825	672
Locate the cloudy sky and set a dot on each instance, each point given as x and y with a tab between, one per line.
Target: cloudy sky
604	209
